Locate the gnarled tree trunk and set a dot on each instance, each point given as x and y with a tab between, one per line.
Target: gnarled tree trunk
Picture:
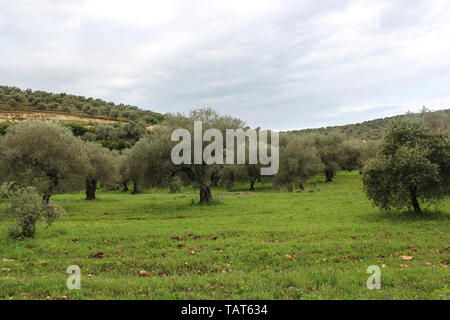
214	180
205	194
91	187
252	184
328	176
414	202
125	186
135	188
46	197
54	180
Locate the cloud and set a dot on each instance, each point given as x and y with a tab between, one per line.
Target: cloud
290	64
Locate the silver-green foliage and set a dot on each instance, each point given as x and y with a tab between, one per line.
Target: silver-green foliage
412	166
26	206
45	155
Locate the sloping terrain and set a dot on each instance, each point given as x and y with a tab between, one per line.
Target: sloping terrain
24	113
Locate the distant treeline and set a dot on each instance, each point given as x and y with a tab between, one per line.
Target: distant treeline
78	105
373	129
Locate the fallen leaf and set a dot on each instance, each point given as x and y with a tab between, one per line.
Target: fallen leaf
406	257
6	269
8	260
143	273
98	255
192	253
289	257
75	240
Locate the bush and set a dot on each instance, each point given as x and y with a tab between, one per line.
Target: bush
13	103
3	127
27	207
175	185
41	106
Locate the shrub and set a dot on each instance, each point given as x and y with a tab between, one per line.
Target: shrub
27	207
13	103
175	185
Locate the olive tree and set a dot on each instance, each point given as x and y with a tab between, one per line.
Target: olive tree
122	162
152	154
328	149
101	168
412	166
26	207
299	160
45	155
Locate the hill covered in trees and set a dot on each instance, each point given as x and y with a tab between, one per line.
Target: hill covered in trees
15	99
373	129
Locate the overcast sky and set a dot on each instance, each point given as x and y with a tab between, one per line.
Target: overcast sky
276	64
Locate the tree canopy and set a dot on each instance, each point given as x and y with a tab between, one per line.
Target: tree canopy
43	154
412	166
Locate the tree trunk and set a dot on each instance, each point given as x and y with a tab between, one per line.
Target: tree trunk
252	184
125	186
135	188
91	187
205	194
215	180
414	201
46	197
328	176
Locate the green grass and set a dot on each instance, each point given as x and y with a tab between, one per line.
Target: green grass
315	244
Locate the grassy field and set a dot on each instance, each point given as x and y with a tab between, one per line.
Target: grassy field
315	244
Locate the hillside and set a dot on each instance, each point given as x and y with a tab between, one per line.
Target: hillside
18	104
373	129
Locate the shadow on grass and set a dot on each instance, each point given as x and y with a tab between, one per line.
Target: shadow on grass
212	202
400	216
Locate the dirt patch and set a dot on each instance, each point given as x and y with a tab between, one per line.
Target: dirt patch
20	116
245	195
